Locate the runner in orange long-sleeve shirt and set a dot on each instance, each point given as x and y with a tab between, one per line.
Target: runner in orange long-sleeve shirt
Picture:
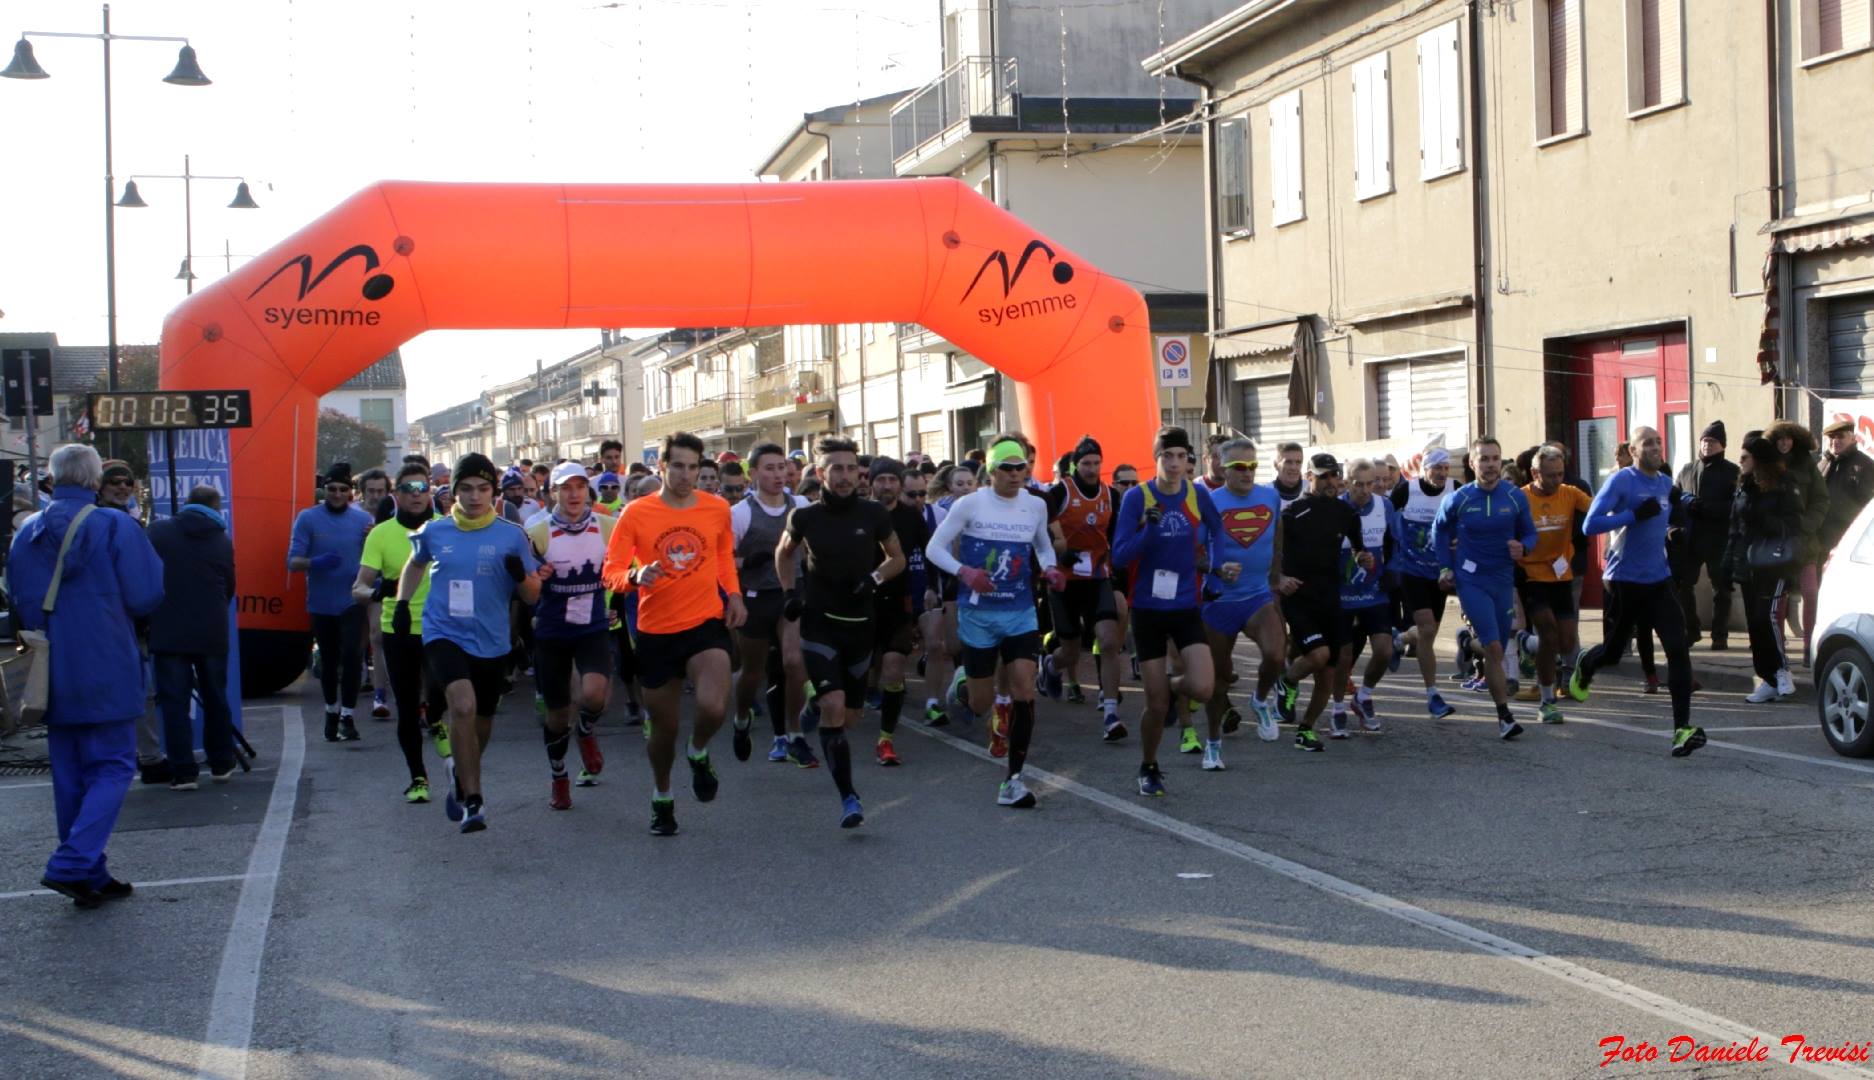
677	549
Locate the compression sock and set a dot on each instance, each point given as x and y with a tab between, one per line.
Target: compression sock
588	719
1548	694
556	741
777	708
1021	729
1109	706
838	758
891	703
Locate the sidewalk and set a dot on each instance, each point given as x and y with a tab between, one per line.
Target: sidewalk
1723	672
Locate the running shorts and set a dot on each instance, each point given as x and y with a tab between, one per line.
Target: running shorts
1556	596
557	659
1082	606
893	626
450	663
1489	606
1007	635
1232	617
1359	624
1422	594
764	614
1155	631
1313	618
838	654
663	657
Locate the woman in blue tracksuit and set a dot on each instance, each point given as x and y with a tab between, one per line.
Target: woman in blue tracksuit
1481	530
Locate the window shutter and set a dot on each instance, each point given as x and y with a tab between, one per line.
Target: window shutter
1285	157
1561	68
1854	23
1233	177
1649	53
1372	114
1828	18
1441	102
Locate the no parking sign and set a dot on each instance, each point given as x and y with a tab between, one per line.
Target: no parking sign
1174	361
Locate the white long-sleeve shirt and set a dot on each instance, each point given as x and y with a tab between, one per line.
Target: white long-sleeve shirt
1005	538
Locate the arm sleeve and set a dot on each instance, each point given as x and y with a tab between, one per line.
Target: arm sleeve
1402	494
619	553
1128	532
1056	498
139	569
1609	511
938	552
1044	545
727	573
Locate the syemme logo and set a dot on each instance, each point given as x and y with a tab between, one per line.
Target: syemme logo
1062	272
375	287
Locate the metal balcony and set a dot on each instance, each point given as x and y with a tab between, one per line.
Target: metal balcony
975	94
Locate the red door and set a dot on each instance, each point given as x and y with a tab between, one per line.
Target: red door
1617	384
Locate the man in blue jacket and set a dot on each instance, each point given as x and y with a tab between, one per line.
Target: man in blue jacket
189	636
112	577
328	544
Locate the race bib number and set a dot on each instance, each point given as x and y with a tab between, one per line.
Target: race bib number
462	598
1560	566
579	610
1083	564
1470	567
1165	585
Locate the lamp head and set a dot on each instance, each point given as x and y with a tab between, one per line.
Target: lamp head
185	274
187	73
243	199
24	65
133	198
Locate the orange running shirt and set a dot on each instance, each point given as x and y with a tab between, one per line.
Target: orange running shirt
694	547
1555	520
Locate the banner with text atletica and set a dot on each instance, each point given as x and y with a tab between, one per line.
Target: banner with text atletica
202	457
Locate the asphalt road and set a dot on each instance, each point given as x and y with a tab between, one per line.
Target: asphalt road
1428	901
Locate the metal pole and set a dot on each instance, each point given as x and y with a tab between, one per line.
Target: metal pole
188	229
169	452
32	439
110	234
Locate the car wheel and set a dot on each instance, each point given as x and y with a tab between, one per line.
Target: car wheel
1842	685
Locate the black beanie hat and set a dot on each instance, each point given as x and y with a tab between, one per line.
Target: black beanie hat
1172	438
1086	445
1759	447
477	466
339	473
1715	430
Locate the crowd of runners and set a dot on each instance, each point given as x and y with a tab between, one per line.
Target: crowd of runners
812	591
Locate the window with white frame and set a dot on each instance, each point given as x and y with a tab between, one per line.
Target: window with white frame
1560	93
1655	51
1833	26
1233	207
1441	102
1372	127
1285	158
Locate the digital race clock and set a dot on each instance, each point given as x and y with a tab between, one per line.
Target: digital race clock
159	410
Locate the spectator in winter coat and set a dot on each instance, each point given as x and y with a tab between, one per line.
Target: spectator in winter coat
1711	481
1848	474
1794	442
189	636
1766	508
111	578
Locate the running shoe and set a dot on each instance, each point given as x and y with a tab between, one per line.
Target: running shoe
1508	729
1437	707
743	743
1232	720
645	726
702	777
1051	680
1475	685
1532	692
1266	728
417	792
1337	724
663	817
887	755
852	815
592	759
1687	739
1652	685
778	752
634	712
1075	695
1213	756
380	709
331	725
1398	654
1115	728
586	779
935	716
1764	693
1463	655
451	806
809	717
561	795
874	699
540	703
801	754
1285	695
1306	739
1151	781
1363	705
1550	713
1577	685
1370	723
347	729
1189	743
439	735
954	695
1785	685
475	818
999	731
1015	793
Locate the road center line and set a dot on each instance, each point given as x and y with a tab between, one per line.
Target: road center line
1483	941
1784	755
141	885
231	1009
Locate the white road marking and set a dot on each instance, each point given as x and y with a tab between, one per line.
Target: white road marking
231	1009
141	885
1763	727
1782	755
35	784
1675	1012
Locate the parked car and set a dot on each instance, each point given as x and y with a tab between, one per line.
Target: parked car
1844	640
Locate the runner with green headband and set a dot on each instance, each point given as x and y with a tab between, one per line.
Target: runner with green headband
991	541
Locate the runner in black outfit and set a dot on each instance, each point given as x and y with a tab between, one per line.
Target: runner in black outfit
1313	527
898	605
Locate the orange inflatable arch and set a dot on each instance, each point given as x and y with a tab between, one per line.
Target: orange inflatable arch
400	258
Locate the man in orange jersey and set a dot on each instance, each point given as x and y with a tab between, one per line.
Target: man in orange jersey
1544	576
677	549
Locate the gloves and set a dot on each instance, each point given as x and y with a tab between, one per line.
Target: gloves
976	579
516	568
327	561
1153	513
1646	511
1056	577
791	606
400	618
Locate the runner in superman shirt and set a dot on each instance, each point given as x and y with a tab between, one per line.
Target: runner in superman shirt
1163	527
572	641
1001	534
1251	519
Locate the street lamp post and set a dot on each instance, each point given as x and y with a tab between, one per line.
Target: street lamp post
133	199
187	73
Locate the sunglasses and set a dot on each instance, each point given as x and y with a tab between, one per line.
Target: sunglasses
1125	483
119	480
1012	466
336	488
413	487
1241	466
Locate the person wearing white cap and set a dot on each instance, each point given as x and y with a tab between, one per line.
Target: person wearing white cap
1417	503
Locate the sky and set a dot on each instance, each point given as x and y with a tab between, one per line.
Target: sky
314	99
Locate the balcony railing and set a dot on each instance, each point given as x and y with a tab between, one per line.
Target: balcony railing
794	384
973	86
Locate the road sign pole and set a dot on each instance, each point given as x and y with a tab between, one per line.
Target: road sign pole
169	453
32	452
